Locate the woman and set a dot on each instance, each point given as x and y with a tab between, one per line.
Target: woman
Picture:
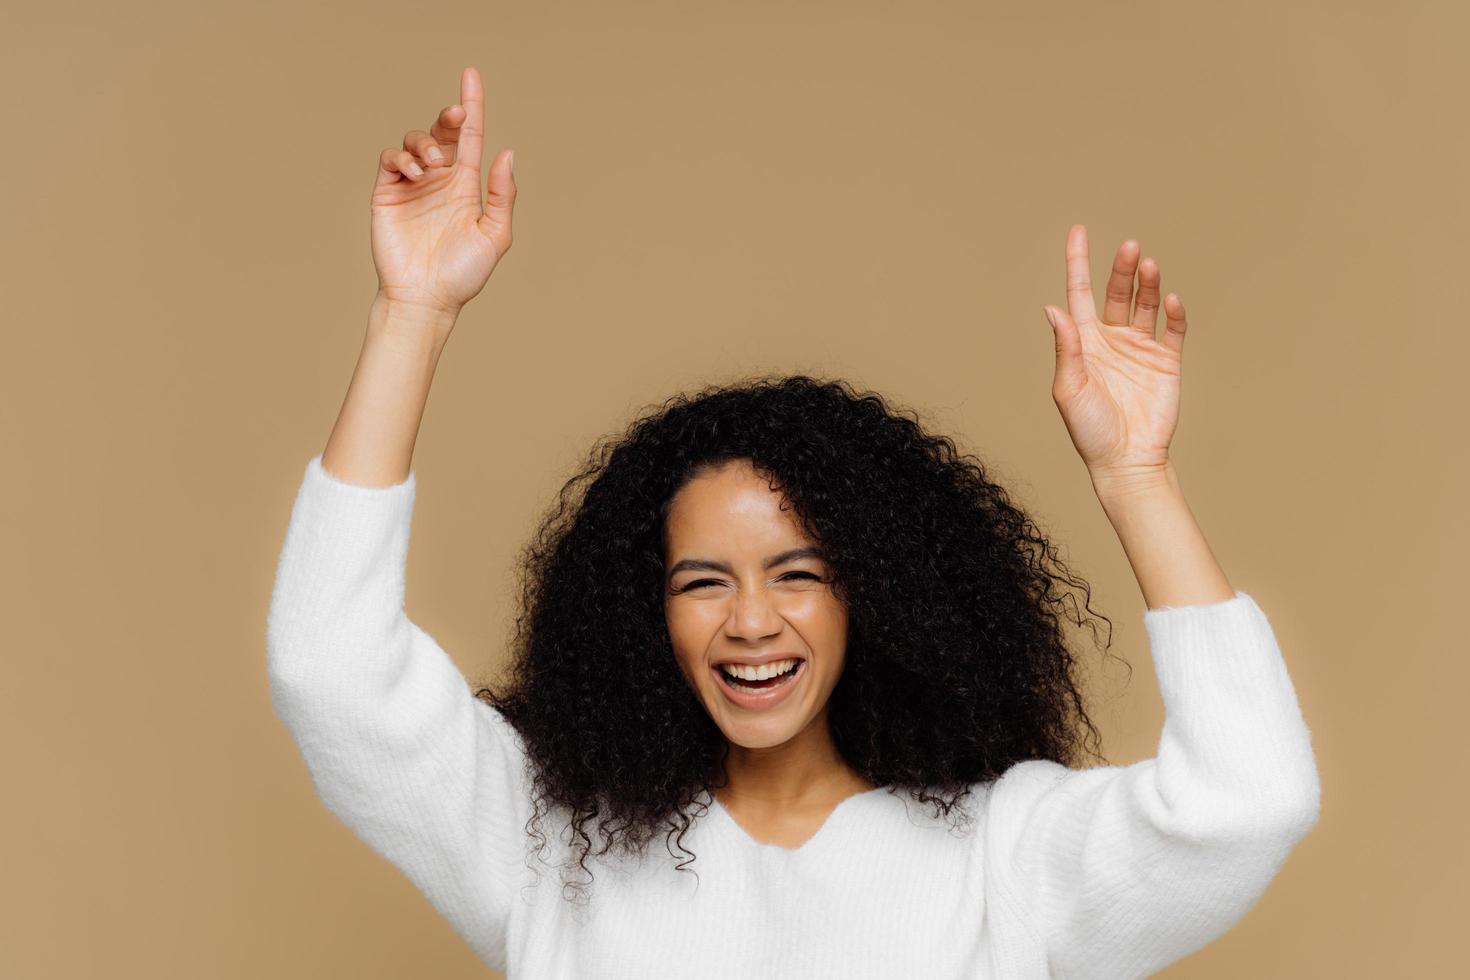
800	641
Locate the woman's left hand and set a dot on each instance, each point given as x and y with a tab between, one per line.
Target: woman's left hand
1116	386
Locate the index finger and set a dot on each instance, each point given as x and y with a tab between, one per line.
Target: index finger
1079	277
472	130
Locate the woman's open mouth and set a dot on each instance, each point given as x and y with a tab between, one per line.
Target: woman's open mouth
755	691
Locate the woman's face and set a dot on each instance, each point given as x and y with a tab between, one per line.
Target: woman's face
741	586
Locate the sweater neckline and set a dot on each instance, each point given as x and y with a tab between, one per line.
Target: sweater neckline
834	818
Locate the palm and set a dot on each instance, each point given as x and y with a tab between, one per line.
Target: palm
1116	386
433	242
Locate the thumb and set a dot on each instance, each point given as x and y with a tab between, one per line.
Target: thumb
1070	375
500	194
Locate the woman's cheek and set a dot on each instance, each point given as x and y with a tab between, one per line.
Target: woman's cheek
690	635
819	610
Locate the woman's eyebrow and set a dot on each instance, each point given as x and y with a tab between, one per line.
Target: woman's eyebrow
703	564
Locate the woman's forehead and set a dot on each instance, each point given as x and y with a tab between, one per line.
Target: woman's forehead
734	509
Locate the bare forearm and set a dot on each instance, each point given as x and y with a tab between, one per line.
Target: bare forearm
372	441
1169	554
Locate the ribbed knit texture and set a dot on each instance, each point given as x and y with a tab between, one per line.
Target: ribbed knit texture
1112	871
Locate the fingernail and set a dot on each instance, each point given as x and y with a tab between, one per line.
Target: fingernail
512	161
415	169
435	154
1049	318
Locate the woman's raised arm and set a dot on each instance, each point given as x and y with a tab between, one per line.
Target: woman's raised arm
1127	869
396	744
434	245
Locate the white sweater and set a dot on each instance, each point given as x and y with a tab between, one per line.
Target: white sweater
1110	871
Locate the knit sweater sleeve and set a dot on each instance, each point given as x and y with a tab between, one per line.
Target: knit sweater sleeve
396	745
1126	869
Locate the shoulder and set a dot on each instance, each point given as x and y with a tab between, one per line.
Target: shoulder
1031	789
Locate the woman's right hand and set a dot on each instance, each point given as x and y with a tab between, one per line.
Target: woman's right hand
434	245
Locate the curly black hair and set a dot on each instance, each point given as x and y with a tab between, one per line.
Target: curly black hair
956	666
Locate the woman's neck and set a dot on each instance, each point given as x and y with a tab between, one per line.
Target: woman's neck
805	771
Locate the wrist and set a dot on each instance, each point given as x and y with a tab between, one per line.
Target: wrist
398	316
1124	486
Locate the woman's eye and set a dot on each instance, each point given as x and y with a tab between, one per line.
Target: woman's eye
700	583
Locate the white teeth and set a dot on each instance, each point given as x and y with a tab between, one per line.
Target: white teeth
749	673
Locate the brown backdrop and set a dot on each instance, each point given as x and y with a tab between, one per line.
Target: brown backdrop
873	191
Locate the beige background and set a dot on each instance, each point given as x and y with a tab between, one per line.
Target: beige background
872	191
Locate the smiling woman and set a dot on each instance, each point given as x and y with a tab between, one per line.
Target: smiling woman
782	520
760	624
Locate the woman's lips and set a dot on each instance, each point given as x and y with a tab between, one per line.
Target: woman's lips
758	699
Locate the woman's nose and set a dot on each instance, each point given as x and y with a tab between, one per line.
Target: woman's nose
753	615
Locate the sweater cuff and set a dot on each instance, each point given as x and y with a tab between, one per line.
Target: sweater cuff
353	529
1227	694
340	575
315	472
1225	646
359	512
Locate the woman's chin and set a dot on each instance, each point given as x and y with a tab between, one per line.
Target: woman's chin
762	735
759	730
